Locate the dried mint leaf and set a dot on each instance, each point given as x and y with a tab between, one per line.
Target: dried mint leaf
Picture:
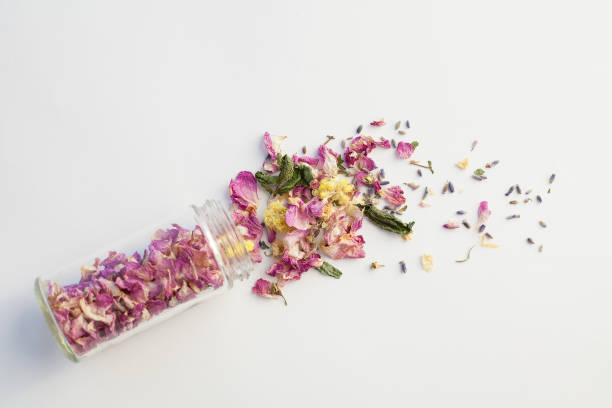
385	220
286	169
329	270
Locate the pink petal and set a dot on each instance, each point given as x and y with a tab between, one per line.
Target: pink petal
243	191
328	162
298	218
348	246
262	288
405	150
393	195
312	161
483	212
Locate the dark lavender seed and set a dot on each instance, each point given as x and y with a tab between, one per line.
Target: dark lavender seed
460	212
530	241
420	173
403	266
384	183
510	190
551	179
518	189
408	124
466	224
475	177
393	143
382	173
488	235
359	129
539	199
425	193
451	188
482	228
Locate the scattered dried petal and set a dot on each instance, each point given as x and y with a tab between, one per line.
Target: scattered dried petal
485	244
427	262
463	164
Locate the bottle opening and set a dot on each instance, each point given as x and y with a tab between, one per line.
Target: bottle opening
227	244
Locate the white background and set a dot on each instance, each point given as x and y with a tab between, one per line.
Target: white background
114	114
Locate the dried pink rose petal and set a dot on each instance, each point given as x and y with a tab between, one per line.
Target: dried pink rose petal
483	212
328	163
311	161
378	123
451	225
405	150
272	145
363	178
243	191
267	289
393	195
262	288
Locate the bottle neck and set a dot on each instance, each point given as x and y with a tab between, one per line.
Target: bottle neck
225	241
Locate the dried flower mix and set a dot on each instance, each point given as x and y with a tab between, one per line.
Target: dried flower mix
316	208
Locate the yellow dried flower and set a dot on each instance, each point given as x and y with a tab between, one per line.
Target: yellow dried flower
462	164
427	262
337	190
274	216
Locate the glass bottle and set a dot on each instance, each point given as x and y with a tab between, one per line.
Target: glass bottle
93	304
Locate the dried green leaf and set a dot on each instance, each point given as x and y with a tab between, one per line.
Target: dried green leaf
329	270
385	220
266	181
286	169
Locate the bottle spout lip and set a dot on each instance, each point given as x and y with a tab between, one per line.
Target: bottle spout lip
226	242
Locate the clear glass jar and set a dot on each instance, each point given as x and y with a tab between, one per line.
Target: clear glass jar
93	304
